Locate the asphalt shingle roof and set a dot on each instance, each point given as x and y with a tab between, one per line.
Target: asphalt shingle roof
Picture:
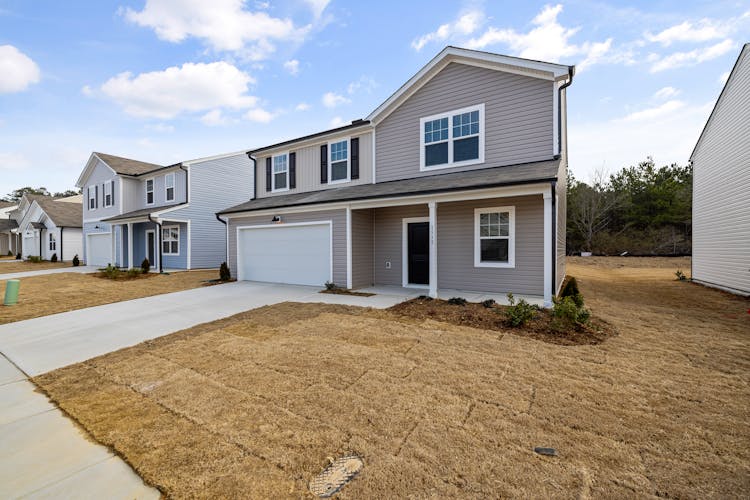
126	166
62	213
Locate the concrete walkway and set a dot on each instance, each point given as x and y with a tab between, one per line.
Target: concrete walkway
44	454
56	270
43	344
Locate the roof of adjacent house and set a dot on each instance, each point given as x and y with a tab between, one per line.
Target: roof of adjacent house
6	204
523	173
6	224
126	166
143	212
62	213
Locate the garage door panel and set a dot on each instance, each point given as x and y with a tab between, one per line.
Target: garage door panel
99	249
286	254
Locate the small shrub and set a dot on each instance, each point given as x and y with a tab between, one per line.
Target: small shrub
570	288
331	286
18	256
53	258
35	258
145	266
111	272
10	254
518	314
224	274
134	272
457	301
680	275
488	303
76	261
424	297
567	314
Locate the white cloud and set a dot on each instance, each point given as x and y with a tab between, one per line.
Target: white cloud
214	118
87	91
702	31
666	93
160	127
303	106
466	24
190	88
691	58
548	41
223	25
724	77
259	115
655	112
317	6
332	99
292	66
337	121
365	83
17	70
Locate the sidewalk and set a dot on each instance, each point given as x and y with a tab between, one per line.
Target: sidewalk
71	269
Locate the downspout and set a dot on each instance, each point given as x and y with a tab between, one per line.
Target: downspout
553	187
255	175
158	243
61	243
40	242
226	244
187	183
571	73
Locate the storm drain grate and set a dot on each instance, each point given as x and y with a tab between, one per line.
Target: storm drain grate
334	477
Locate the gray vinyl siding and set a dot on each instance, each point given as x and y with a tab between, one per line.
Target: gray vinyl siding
337	217
518	120
362	248
132	195
160	195
308	167
214	186
101	174
721	200
387	236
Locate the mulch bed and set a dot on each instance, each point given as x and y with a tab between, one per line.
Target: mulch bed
344	291
124	276
476	315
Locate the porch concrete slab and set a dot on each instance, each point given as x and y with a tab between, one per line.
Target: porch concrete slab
57	270
42	344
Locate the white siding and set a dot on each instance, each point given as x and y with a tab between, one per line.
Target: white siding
721	198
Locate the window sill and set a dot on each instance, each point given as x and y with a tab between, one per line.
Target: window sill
283	190
340	181
423	168
504	265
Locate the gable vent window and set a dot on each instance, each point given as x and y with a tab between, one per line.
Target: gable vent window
452	139
149	192
339	161
169	186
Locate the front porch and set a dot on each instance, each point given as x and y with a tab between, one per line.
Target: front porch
162	242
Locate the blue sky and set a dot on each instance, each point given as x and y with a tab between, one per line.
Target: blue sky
170	80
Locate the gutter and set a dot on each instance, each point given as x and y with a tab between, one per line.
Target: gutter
61	243
255	176
187	183
571	73
158	243
226	246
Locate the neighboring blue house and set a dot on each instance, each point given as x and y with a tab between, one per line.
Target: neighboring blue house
134	210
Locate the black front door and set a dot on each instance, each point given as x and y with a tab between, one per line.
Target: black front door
419	253
150	245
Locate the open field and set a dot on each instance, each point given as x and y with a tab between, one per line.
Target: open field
55	293
22	266
253	405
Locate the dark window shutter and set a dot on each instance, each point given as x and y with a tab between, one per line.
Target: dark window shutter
292	170
324	164
96	196
268	173
113	192
355	158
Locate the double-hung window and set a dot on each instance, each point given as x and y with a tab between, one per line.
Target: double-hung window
494	237
149	192
170	240
92	197
452	139
52	242
280	173
108	194
169	186
338	162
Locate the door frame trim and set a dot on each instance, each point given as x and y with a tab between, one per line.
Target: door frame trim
156	249
405	251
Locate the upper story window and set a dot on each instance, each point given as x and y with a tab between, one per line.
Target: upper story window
494	237
93	202
338	162
452	139
280	173
169	186
108	199
149	192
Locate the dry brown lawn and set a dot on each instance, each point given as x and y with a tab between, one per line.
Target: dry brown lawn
56	293
23	266
254	405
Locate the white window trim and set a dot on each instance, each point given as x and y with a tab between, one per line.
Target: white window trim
162	240
273	177
91	196
108	185
348	161
511	238
405	251
166	188
153	190
449	115
52	241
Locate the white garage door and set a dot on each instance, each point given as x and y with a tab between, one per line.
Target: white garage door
98	249
294	254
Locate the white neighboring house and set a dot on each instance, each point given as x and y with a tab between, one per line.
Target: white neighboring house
50	226
8	237
721	182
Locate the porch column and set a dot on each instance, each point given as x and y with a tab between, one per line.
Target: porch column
130	245
349	248
433	250
548	248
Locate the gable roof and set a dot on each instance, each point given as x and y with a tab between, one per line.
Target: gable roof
6	204
744	52
62	213
127	166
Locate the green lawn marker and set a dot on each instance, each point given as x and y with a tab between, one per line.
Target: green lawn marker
11	292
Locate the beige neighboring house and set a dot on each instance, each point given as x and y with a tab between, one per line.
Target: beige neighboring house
50	226
721	187
455	183
8	237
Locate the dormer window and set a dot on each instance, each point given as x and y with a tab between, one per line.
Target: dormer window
149	192
169	186
452	139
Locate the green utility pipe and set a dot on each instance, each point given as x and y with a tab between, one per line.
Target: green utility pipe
11	292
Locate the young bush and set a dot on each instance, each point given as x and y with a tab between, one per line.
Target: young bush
518	314
53	258
111	272
145	266
76	261
330	286
224	274
35	258
18	256
570	288
567	314
680	275
134	272
488	303
457	301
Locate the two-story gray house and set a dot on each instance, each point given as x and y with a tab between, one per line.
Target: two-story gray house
134	210
455	182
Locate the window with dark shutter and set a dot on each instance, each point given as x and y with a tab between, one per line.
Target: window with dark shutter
292	170
324	164
355	158
268	174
